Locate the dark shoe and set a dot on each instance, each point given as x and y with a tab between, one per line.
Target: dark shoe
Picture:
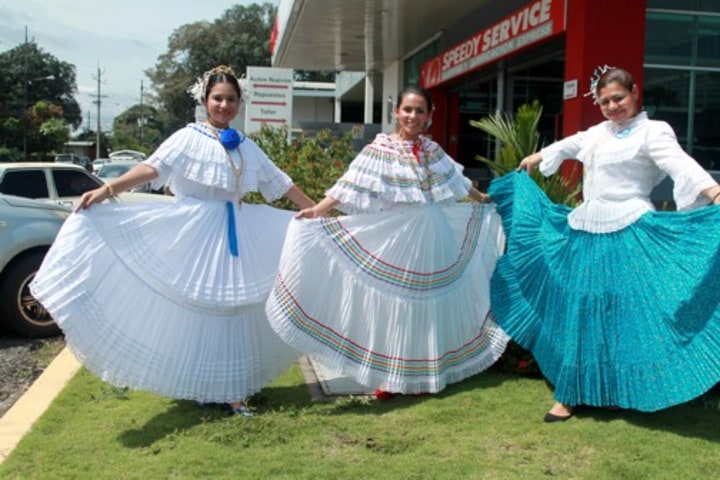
552	418
241	410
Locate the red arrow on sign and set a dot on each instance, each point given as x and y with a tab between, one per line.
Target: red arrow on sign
269	85
269	103
268	120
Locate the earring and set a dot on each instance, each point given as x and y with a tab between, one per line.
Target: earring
427	124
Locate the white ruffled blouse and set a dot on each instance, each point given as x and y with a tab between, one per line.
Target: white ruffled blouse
621	166
389	172
193	162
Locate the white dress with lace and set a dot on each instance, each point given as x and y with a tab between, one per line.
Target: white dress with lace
395	295
151	296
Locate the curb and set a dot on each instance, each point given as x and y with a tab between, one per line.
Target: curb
32	404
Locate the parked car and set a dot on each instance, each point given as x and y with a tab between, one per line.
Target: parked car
27	229
116	168
127	155
98	163
59	183
81	160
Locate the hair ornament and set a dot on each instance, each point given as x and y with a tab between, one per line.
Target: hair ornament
594	79
197	89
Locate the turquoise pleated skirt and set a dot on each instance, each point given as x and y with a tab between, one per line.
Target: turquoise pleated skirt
629	318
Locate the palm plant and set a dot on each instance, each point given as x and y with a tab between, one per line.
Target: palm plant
519	137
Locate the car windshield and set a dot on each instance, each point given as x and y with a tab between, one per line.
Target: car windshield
113	170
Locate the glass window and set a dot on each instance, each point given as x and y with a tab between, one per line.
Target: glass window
71	183
708	41
708	6
412	66
705	146
28	184
665	97
668	38
475	103
686	5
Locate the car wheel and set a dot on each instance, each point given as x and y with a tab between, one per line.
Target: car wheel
20	311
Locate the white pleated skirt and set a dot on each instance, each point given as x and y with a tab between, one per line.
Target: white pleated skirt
398	300
150	297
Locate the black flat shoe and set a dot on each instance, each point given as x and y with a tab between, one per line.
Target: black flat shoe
552	418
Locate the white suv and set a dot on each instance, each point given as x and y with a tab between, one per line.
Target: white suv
27	229
59	183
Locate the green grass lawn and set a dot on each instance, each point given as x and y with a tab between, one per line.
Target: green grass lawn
487	427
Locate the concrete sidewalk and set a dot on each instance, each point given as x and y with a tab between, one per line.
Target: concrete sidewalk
326	384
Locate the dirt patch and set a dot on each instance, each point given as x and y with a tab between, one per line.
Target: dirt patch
22	360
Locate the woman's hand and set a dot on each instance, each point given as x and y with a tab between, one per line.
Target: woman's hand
98	195
318	210
479	196
308	213
139	174
528	163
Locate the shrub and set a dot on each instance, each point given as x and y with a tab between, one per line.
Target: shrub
314	163
519	137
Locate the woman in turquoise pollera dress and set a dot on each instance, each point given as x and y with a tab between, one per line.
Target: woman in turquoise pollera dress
618	303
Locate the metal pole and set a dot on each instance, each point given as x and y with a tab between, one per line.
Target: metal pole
97	133
25	115
142	113
25	98
98	102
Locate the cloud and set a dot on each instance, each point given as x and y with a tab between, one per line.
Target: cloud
116	41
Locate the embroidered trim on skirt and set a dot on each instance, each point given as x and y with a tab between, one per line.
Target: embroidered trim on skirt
397	299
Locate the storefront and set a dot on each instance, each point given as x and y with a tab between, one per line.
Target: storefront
477	58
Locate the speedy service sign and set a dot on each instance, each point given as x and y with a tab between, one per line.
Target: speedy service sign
536	21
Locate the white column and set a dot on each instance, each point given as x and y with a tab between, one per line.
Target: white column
338	110
369	98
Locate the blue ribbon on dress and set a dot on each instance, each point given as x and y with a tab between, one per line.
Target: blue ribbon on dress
232	232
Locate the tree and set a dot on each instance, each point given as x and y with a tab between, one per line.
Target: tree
35	87
239	38
315	75
138	128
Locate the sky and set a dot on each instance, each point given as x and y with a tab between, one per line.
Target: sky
115	40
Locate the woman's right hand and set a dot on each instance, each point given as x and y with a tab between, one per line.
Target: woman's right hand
98	195
528	163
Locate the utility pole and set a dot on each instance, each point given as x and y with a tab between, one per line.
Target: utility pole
26	103
26	81
98	102
141	120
